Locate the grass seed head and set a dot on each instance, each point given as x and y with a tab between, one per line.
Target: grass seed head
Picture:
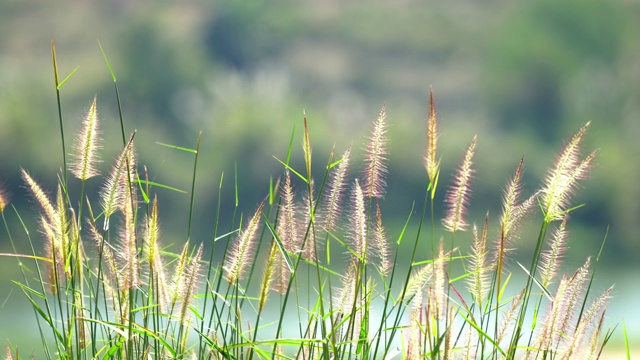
4	200
192	281
458	195
41	197
332	204
288	227
375	160
563	178
112	196
359	224
86	146
242	252
430	163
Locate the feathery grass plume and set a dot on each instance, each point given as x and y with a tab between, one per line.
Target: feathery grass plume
415	335
438	292
552	257
448	332
306	147
512	213
478	282
287	230
114	280
191	283
54	227
153	255
86	146
63	235
332	199
81	324
8	355
376	150
4	200
381	244
242	250
269	275
309	250
282	274
509	317
358	224
345	295
458	195
417	282
41	197
113	191
288	227
352	303
430	163
559	317
52	251
594	343
128	242
586	325
562	179
180	273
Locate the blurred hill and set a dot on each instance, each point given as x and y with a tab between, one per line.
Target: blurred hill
524	76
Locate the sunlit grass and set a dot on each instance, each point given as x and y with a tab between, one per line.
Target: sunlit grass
312	271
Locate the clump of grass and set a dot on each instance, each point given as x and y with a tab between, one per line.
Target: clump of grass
109	289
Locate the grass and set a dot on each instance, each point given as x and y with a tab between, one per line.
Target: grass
312	272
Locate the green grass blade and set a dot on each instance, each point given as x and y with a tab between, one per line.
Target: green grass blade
286	165
106	60
189	150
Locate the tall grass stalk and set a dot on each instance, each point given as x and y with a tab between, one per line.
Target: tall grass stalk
310	272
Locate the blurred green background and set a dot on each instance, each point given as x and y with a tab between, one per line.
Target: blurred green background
524	76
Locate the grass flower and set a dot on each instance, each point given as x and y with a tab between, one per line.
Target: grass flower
113	193
54	225
587	326
288	224
562	179
242	252
458	195
4	200
180	274
308	249
128	243
332	201
114	280
430	162
438	291
509	317
551	258
381	245
418	280
513	212
41	197
154	258
558	322
478	282
190	284
86	146
359	225
8	355
375	161
269	275
288	231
